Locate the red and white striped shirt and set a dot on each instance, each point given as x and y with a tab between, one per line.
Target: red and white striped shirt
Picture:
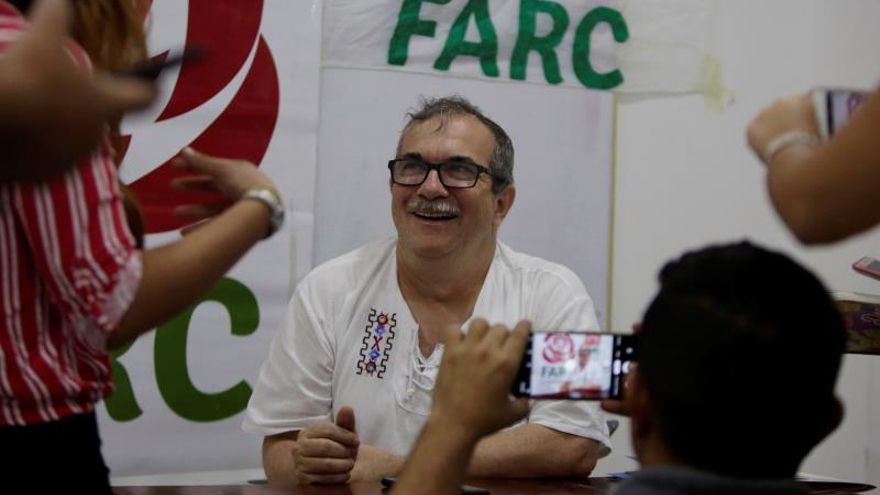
68	272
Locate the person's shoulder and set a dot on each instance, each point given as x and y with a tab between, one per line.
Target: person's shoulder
534	268
346	271
12	25
9	14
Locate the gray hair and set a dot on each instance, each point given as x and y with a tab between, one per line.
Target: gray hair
501	163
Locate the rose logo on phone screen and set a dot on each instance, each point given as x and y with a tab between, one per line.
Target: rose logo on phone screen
557	347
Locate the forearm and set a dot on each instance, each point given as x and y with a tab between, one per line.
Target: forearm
533	451
815	209
796	198
438	462
278	458
278	462
827	193
373	464
177	274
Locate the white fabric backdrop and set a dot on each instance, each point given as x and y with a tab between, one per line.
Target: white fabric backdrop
335	131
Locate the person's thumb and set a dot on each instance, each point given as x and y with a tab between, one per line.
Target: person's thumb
345	419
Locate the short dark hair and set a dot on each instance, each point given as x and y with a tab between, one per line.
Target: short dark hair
446	107
740	352
23	6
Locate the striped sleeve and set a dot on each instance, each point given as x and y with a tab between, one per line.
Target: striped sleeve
81	244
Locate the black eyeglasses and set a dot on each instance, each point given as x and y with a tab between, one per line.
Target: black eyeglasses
455	174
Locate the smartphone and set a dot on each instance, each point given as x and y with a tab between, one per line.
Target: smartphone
833	108
868	266
388	482
575	365
151	69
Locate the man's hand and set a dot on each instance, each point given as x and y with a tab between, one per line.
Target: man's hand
619	406
472	394
374	463
54	113
326	452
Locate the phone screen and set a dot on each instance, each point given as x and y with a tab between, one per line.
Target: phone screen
840	104
575	365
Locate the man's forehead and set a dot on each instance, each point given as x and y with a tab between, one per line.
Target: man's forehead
464	133
440	123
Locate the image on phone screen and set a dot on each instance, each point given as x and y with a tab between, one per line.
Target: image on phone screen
574	365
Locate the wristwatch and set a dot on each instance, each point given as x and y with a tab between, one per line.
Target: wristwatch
269	198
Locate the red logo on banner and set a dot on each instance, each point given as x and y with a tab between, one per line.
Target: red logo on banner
558	347
228	30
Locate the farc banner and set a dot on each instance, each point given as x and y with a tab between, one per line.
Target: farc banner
621	45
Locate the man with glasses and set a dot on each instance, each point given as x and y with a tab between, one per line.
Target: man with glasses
348	384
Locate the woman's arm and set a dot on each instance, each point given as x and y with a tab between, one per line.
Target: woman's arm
177	274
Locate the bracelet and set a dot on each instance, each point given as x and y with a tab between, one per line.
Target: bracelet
788	139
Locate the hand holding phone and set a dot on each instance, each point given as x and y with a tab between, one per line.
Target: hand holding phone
575	365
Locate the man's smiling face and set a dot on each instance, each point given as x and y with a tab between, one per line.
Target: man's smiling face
433	220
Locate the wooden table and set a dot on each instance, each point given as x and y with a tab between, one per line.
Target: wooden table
497	487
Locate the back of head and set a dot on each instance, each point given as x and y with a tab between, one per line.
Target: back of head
739	353
448	107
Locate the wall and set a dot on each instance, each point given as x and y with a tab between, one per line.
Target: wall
685	178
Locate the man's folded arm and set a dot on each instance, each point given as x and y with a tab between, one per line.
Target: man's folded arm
278	457
533	451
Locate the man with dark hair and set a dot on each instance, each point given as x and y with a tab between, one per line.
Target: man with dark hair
364	330
738	356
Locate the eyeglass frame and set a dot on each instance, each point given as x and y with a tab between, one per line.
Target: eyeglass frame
436	166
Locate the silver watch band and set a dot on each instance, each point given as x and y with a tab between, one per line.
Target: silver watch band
269	198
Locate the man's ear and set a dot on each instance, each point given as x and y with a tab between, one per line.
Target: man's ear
835	417
503	203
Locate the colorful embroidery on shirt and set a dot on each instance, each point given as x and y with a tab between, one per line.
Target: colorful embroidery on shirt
378	341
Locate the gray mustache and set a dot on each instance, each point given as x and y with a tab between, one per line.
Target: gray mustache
432	207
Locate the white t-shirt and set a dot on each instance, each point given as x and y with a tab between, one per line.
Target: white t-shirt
351	340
